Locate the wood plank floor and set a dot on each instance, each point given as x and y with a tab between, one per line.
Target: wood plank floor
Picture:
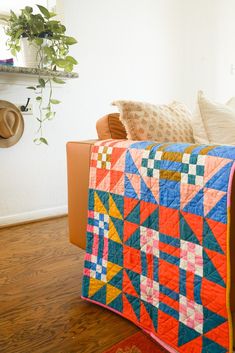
40	287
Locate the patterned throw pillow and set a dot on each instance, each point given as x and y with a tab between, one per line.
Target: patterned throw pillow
161	123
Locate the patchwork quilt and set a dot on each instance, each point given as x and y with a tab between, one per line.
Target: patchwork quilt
158	240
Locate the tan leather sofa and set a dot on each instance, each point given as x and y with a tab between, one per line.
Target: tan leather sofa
78	161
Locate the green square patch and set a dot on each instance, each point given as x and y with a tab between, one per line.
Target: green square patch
193	159
191	179
200	170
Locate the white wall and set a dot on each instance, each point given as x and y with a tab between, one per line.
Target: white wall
152	50
127	49
207	49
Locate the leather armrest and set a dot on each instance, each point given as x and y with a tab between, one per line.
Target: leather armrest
78	164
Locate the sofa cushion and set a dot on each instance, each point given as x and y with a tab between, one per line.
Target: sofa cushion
110	127
161	123
214	122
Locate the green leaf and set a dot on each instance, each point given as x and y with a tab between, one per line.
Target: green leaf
50	115
70	40
29	9
42	82
69	67
53	14
61	63
53	23
13	15
48	51
43	140
71	60
38	41
44	11
55	101
18	33
58	80
13	52
38	98
31	87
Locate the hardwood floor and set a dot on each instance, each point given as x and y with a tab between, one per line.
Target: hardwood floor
40	286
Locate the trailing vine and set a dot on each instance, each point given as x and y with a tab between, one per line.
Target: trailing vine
48	35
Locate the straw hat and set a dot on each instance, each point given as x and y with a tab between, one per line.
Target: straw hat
11	124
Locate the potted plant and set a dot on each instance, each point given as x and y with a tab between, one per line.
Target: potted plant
46	46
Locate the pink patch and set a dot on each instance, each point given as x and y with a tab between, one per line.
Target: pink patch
95	245
190	323
187	193
86	272
105	250
191	267
88	257
191	246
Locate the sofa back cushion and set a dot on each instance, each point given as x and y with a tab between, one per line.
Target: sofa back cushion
161	123
110	127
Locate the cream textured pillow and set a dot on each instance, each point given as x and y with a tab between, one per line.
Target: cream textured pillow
214	122
161	123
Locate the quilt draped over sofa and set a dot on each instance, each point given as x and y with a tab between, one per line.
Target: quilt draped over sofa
158	240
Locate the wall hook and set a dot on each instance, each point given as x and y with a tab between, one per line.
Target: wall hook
24	108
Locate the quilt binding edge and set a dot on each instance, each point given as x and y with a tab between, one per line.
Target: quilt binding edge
228	287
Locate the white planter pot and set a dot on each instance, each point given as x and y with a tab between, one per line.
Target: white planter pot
30	56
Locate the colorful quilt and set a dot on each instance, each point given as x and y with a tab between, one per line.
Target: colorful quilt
158	240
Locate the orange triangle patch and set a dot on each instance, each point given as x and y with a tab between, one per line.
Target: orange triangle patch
128	286
219	231
214	300
118	159
115	177
192	346
100	175
168	328
219	261
145	319
104	184
218	334
128	311
146	209
129	229
195	222
129	205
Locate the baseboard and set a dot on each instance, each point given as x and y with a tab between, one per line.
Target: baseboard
32	216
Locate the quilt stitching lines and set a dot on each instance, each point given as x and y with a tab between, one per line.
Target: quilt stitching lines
156	254
193	169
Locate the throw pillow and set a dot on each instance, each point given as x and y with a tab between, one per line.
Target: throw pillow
161	123
214	122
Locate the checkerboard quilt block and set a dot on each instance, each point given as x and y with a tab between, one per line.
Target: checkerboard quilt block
157	240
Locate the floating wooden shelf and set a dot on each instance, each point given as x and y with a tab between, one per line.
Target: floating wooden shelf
18	70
